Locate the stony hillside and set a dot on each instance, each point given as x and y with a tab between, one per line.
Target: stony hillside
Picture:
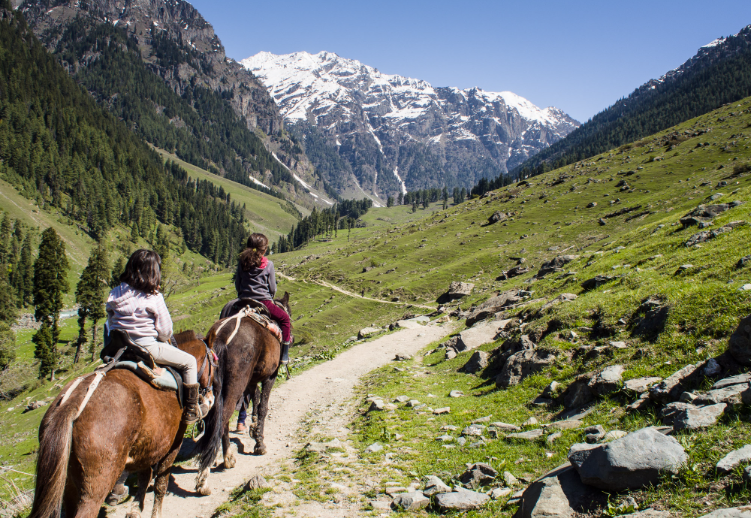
605	310
395	133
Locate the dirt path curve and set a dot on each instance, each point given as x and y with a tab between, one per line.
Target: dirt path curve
311	391
351	294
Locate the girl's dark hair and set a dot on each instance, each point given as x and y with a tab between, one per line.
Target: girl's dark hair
143	271
254	250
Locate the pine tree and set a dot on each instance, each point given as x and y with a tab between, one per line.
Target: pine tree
22	278
91	294
44	350
50	283
390	202
5	231
134	233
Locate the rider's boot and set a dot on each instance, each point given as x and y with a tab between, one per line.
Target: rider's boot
285	351
191	410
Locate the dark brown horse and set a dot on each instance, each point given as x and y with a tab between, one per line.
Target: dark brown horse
91	434
248	355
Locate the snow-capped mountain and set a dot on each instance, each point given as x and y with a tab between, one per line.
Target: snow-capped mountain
397	133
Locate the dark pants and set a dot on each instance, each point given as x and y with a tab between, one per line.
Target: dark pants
281	317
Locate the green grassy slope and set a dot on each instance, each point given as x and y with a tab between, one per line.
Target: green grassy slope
668	174
267	214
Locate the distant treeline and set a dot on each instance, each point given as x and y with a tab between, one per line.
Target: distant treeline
199	126
343	215
59	148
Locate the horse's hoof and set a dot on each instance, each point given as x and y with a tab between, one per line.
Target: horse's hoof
204	491
117	496
229	462
259	450
133	515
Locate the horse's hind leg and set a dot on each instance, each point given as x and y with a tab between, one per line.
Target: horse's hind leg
144	477
263	409
162	474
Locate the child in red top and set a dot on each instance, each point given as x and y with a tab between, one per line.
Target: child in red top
256	279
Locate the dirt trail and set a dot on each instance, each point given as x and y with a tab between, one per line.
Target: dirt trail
315	391
351	294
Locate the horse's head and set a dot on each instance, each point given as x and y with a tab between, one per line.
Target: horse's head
206	360
284	303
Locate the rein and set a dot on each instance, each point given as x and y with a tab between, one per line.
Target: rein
210	362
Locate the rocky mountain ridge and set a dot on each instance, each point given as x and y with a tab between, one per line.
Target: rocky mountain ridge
398	133
183	24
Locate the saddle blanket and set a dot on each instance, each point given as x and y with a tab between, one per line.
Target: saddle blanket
162	380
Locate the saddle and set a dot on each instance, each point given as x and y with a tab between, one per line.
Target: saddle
259	313
120	352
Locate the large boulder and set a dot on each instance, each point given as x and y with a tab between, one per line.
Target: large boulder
735	512
607	381
523	364
686	416
458	290
479	474
479	334
632	462
740	342
674	385
559	493
368	331
493	305
460	501
555	264
597	281
497	217
477	362
578	393
706	213
413	501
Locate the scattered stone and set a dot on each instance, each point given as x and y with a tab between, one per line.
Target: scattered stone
449	428
475	430
735	512
444	438
509	479
497	217
413	501
743	261
602	222
499	492
460	501
402	357
568	424
441	411
396	490
734	459
401	399
412	403
619	345
479	334
712	368
523	364
555	264
597	281
740	342
648	513
376	405
672	387
592	205
550	439
578	393
434	485
740	379
607	381
256	482
683	268
593	434
479	474
456	393
730	395
690	417
477	362
458	290
531	435
558	494
461	441
530	422
640	385
505	427
482	420
632	462
374	448
552	391
35	404
705	213
451	354
368	331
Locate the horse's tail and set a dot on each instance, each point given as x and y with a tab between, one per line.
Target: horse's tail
55	439
209	443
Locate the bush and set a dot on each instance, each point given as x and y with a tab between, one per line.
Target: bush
7	347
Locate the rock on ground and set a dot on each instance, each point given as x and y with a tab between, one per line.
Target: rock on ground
739	344
523	364
493	305
607	381
477	362
460	501
458	290
640	385
734	459
413	501
434	485
560	493
671	387
368	331
686	416
632	462
479	474
735	512
649	513
479	334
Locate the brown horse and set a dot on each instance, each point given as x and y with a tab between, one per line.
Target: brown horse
126	424
248	355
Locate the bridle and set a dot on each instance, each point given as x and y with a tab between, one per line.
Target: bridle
210	362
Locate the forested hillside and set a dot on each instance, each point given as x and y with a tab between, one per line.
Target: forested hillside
720	73
63	151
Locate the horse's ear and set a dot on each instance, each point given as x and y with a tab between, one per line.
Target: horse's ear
285	299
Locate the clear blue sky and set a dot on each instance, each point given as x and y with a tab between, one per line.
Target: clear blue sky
580	56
